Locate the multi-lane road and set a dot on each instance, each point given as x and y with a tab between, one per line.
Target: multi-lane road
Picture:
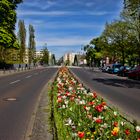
119	91
18	96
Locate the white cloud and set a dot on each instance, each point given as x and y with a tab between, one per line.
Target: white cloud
65	25
61	13
89	4
65	41
41	13
36	4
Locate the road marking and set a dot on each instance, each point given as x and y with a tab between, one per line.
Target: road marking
10	99
28	76
15	82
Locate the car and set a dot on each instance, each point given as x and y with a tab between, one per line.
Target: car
123	71
105	68
134	73
114	68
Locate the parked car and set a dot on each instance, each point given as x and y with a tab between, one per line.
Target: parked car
123	71
134	73
114	68
106	68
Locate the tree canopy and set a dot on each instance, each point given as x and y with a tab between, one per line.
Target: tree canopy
7	25
120	40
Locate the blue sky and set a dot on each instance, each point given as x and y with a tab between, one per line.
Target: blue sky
67	25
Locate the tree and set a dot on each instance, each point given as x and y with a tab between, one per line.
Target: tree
90	54
99	46
22	39
131	14
76	60
32	47
117	36
15	2
7	26
133	7
45	57
53	59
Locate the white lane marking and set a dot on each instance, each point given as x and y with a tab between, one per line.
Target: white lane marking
28	76
15	81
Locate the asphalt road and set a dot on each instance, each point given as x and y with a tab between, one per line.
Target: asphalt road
118	91
18	96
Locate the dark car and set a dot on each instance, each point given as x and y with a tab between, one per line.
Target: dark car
134	73
114	68
123	71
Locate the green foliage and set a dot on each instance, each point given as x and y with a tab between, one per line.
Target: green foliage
6	39
45	57
132	6
53	60
76	60
22	39
15	1
61	128
7	25
8	15
131	14
90	54
117	35
32	47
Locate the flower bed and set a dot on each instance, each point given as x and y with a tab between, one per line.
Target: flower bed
80	114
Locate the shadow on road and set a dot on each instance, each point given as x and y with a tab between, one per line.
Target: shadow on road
119	82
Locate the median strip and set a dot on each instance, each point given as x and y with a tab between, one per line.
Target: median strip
78	113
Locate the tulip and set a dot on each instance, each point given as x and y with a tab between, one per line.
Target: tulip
115	131
81	134
127	132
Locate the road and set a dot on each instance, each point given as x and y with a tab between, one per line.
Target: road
118	91
18	96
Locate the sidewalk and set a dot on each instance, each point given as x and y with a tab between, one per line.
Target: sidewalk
10	72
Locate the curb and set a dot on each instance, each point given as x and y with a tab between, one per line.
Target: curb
28	133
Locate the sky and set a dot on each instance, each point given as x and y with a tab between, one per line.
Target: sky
67	25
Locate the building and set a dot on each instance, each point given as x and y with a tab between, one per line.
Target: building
26	57
68	58
38	54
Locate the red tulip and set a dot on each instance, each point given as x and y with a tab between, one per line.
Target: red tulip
91	103
81	134
99	108
115	124
98	121
94	95
127	132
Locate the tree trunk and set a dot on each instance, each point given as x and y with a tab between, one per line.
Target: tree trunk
123	57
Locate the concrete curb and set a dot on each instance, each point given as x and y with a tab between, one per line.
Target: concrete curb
30	127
